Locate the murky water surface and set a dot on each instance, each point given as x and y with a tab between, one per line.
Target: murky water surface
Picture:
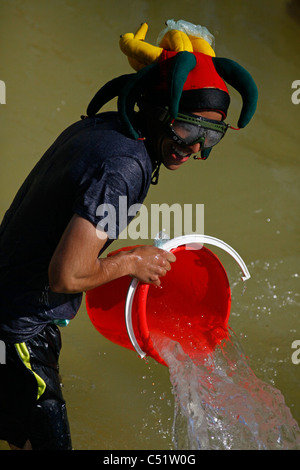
54	57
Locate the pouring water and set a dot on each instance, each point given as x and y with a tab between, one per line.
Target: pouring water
221	404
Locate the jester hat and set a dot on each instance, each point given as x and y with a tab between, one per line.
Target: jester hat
182	72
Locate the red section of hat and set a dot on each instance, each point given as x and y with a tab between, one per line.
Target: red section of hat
203	75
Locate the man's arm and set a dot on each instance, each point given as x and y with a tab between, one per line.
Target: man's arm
75	266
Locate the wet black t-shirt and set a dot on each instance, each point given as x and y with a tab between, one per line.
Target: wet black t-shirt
90	164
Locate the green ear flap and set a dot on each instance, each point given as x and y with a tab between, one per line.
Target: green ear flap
238	77
109	91
205	153
128	95
145	78
126	88
182	64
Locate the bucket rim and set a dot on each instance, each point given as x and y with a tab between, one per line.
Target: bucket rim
169	245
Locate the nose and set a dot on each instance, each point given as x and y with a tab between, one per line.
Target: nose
195	148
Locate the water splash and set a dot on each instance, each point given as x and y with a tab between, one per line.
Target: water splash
221	404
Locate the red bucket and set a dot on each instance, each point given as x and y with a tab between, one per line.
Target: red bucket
191	306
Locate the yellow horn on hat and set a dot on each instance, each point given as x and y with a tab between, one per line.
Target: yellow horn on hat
139	53
176	41
201	45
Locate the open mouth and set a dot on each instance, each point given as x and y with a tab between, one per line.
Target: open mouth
180	155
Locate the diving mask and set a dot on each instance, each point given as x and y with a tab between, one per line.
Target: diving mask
190	129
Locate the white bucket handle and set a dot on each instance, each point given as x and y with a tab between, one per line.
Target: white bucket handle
168	245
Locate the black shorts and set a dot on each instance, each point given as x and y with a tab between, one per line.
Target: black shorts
31	402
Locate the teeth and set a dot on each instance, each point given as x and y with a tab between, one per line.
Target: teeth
180	153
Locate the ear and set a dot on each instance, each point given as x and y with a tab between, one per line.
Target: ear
238	77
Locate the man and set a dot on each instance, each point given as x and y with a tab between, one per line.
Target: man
51	236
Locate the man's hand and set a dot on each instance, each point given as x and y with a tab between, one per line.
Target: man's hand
76	267
149	263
